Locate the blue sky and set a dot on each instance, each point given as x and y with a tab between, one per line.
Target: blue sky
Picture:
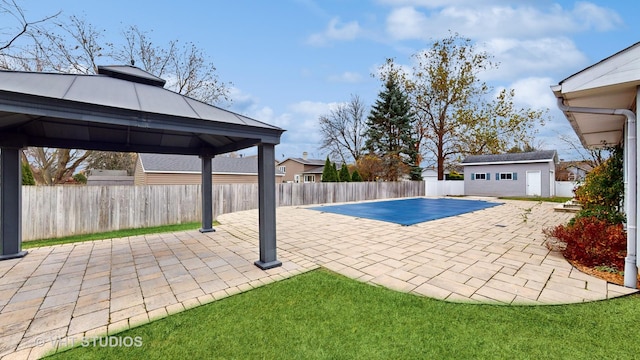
290	61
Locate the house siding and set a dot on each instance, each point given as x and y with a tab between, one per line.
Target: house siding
518	187
139	176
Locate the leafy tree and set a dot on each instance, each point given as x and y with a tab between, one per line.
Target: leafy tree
343	130
328	172
390	126
355	176
370	167
27	175
452	110
602	192
344	175
107	160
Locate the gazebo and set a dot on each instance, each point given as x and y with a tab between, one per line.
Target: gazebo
124	108
601	104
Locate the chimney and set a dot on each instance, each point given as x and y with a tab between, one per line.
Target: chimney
304	155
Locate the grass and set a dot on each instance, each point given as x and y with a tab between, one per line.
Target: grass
111	234
322	315
556	199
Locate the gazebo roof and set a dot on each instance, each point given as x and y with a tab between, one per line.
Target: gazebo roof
123	108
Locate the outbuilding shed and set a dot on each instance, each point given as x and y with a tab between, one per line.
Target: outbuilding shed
514	174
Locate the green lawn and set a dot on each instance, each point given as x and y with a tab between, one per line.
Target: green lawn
111	234
322	315
557	199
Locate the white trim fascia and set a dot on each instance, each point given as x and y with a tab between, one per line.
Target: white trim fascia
509	162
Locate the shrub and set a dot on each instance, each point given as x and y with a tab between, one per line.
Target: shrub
602	192
27	175
80	178
344	175
592	241
355	176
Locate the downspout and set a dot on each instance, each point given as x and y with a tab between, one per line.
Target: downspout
630	265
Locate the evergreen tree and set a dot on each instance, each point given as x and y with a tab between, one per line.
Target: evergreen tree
328	173
355	176
390	126
344	175
334	173
27	175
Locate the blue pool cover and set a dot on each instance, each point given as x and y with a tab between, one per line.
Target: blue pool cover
408	211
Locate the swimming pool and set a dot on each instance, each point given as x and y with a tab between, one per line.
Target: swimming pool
408	211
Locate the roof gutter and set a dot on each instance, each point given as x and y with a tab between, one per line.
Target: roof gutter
630	181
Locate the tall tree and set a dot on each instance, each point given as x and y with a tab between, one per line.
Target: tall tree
343	130
452	107
329	173
344	175
389	132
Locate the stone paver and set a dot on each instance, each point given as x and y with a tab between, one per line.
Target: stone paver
62	294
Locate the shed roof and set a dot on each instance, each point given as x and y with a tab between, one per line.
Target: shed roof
523	157
123	108
171	163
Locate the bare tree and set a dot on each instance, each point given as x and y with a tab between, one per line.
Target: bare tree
54	166
593	157
185	68
76	46
343	130
108	160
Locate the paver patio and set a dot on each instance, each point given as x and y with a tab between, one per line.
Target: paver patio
61	294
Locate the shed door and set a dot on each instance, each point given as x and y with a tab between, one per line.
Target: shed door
534	183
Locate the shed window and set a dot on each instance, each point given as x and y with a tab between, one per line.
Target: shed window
480	176
506	176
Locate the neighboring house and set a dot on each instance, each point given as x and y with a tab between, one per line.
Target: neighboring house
109	177
513	174
572	170
163	169
299	170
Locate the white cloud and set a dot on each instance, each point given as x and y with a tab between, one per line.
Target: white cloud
534	93
531	57
346	77
336	31
481	21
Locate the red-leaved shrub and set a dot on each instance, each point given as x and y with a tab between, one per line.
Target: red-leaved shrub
592	242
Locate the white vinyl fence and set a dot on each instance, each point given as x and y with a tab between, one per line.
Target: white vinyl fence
55	211
565	188
433	187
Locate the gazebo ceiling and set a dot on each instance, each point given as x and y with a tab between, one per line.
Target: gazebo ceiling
121	109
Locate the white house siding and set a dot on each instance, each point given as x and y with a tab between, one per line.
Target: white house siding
518	187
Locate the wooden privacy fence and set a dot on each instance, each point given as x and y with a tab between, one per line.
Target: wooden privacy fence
55	211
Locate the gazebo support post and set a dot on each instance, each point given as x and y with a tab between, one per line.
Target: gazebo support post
267	207
10	204
207	214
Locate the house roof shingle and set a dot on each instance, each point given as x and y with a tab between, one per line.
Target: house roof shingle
532	156
193	164
302	161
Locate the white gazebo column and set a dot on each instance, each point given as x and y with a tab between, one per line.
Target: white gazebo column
10	204
267	206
